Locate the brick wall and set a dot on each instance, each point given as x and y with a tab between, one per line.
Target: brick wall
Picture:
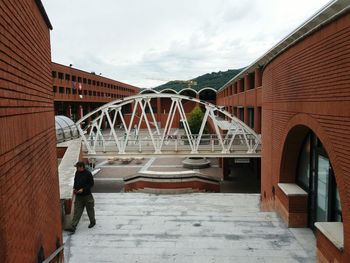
309	85
29	194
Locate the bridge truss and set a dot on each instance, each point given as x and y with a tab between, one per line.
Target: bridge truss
124	135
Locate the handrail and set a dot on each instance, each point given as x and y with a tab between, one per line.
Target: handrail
54	254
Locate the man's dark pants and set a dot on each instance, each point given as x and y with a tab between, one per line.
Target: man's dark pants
82	201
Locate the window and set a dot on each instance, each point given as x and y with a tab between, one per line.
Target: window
304	165
241	113
61	90
251	117
94	93
94	82
60	75
84	80
54	89
98	83
241	85
89	81
251	80
74	91
68	91
54	74
85	92
90	93
79	79
67	77
74	78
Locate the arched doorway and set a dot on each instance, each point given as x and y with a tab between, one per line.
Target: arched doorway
315	175
305	162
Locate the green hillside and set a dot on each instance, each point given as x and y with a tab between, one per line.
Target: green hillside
214	80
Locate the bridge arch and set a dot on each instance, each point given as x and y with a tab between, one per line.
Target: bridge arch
172	91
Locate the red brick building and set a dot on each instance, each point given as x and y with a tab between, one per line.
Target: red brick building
30	228
303	88
77	92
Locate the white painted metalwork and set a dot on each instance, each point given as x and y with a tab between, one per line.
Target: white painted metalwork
123	133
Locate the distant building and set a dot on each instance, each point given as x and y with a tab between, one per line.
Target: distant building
78	92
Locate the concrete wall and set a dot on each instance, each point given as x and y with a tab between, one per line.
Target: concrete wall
29	193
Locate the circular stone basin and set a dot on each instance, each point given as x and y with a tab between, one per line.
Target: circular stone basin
138	160
196	163
125	160
111	160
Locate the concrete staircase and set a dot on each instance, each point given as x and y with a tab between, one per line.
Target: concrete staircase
195	227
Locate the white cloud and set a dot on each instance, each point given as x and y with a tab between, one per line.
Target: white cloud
146	43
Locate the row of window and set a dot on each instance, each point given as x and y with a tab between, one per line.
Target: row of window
78	79
63	90
240	85
239	113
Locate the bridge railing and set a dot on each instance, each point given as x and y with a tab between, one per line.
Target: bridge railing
175	143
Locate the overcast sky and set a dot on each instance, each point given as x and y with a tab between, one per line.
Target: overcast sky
147	43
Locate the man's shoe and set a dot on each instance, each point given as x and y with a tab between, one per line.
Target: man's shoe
92	225
71	230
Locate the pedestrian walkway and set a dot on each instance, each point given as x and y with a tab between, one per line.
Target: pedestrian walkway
200	227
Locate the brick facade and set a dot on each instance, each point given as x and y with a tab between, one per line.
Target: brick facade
29	193
305	87
94	88
78	92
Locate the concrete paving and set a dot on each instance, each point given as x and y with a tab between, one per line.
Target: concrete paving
198	227
66	169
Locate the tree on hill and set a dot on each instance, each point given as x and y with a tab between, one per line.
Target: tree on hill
214	80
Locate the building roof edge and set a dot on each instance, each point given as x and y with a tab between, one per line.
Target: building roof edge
43	13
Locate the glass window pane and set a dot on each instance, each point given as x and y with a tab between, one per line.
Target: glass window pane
337	209
304	165
322	189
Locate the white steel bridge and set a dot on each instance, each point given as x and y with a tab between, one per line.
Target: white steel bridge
125	137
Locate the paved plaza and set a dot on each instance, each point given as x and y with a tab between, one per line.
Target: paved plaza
110	178
199	227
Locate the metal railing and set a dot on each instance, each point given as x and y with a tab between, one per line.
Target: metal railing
54	255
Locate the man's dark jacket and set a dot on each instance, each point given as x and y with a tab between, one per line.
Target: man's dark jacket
83	180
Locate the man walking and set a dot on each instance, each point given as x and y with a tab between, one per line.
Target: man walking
83	181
